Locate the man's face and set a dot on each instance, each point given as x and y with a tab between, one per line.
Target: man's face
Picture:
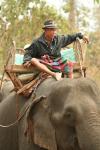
50	32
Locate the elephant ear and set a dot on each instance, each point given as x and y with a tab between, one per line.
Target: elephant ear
39	128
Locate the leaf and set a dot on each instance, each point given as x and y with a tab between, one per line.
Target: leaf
97	1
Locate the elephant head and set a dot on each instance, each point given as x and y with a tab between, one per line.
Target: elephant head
6	89
68	118
37	126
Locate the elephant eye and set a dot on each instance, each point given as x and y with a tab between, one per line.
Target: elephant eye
68	115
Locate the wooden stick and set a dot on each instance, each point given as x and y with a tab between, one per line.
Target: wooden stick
27	86
20	69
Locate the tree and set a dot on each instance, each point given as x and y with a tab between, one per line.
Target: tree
97	1
70	9
21	21
97	17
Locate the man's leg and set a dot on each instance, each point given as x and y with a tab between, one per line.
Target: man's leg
45	69
69	69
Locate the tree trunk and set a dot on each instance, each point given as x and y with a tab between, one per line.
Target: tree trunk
72	15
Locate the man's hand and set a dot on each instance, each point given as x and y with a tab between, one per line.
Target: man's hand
85	39
27	64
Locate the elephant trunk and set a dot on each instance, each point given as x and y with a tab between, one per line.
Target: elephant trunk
88	131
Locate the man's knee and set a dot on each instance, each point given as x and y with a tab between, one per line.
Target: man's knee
34	61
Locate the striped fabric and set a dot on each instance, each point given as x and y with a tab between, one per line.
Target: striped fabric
58	64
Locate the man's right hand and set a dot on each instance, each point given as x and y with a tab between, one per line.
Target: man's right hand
27	64
86	39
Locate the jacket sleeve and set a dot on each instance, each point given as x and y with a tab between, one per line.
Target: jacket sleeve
30	53
66	40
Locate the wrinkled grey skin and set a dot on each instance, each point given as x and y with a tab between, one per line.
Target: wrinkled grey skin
67	119
6	88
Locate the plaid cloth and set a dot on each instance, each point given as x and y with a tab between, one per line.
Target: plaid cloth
58	64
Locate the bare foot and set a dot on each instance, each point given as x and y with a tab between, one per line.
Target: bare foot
70	76
58	76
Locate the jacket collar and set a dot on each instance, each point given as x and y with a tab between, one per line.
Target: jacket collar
41	38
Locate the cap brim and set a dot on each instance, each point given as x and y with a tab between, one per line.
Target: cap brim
52	27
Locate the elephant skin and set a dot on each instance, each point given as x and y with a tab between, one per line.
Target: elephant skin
6	88
65	115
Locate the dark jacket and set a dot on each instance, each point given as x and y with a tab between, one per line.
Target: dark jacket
39	47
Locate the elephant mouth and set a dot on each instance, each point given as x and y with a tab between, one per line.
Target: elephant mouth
70	142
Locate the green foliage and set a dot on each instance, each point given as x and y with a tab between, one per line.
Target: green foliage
70	9
93	57
25	19
97	1
96	14
22	21
94	49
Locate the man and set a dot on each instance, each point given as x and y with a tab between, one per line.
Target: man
44	52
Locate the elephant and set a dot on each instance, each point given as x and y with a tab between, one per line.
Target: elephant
64	115
6	88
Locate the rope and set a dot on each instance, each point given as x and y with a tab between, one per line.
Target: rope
17	106
79	52
42	77
7	61
9	56
16	121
